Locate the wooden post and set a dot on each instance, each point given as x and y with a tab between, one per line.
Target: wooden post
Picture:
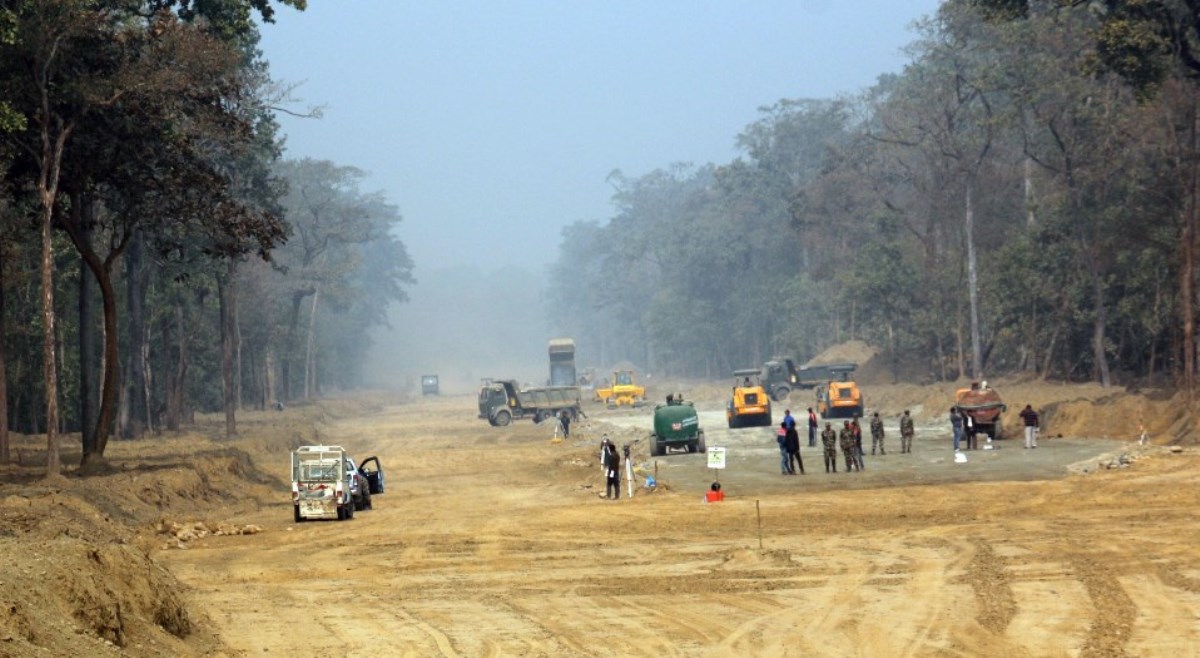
758	513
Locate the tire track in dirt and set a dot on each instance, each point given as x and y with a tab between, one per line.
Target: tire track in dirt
987	574
1112	623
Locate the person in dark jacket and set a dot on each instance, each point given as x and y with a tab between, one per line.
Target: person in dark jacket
1031	426
612	472
956	426
792	441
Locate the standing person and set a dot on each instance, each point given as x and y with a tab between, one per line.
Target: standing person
564	417
789	423
829	441
1031	426
906	432
792	440
785	468
612	472
956	426
857	429
877	434
849	446
812	428
969	430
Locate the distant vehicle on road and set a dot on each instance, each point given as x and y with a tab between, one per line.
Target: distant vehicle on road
429	385
502	400
780	376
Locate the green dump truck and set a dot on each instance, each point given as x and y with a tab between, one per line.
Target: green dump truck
502	400
676	425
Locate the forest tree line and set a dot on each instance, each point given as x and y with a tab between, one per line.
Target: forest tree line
158	255
1021	197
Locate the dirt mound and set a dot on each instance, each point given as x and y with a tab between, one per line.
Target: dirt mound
853	351
86	544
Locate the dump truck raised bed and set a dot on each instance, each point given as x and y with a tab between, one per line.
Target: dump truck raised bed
562	362
676	425
502	400
983	404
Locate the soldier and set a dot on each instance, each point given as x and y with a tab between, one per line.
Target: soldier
829	441
849	446
906	432
877	434
858	444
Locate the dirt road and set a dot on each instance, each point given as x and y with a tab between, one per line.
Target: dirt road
493	542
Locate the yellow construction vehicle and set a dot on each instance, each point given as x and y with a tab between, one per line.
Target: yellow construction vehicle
750	406
623	391
840	399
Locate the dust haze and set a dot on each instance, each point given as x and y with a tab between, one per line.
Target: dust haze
464	323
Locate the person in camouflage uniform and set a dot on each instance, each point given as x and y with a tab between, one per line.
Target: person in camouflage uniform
829	440
877	434
906	432
849	446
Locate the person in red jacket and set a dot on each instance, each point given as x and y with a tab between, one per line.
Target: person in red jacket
714	493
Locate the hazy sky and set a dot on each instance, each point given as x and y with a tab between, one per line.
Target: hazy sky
494	124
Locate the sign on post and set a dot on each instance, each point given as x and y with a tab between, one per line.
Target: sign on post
716	457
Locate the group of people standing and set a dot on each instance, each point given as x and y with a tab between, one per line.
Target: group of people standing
849	439
962	424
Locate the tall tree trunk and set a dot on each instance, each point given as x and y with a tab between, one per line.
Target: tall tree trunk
4	450
310	349
49	365
137	388
237	360
177	377
269	392
1187	270
1099	329
89	392
289	344
227	298
1030	212
973	285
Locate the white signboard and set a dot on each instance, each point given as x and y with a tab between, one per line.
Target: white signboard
716	457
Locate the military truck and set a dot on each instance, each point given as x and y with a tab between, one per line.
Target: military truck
502	400
562	362
676	425
780	376
429	385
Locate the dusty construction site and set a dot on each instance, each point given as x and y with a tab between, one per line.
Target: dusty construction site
494	541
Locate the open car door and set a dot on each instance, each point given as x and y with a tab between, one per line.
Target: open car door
373	471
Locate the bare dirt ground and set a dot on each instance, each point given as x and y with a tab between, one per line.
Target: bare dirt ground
494	541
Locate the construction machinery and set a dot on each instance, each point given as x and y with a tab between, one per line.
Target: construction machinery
983	405
502	400
840	399
622	391
780	376
676	425
749	406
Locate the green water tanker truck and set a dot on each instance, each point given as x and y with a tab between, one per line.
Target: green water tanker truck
676	425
